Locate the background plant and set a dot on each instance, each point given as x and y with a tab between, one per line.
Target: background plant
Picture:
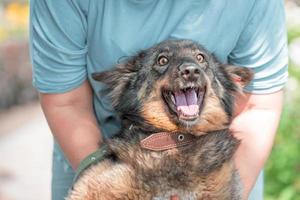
282	172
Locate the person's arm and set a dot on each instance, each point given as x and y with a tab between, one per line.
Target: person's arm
255	124
58	44
262	47
71	119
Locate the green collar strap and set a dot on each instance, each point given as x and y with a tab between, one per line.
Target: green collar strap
90	160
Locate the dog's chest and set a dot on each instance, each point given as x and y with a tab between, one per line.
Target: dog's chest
176	193
204	167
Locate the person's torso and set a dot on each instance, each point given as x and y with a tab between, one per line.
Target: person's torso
118	29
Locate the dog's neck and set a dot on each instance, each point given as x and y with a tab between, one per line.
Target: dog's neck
140	126
166	140
160	140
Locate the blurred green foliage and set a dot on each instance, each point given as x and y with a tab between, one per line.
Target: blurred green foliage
293	33
282	180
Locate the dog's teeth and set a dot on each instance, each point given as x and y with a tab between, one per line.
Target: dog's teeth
173	98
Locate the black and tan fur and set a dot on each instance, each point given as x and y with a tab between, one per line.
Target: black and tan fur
204	170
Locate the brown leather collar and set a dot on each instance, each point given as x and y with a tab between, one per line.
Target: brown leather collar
166	140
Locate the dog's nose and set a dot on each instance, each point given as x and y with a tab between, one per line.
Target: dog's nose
189	72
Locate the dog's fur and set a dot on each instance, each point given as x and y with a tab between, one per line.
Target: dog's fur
204	170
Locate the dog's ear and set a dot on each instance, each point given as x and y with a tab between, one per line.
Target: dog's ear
111	77
117	81
241	76
106	77
120	74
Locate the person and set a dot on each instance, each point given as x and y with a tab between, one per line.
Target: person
72	39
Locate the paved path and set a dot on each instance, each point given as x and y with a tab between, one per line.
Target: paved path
25	155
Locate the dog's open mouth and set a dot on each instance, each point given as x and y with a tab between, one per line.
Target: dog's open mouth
187	103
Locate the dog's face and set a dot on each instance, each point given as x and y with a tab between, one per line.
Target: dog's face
175	86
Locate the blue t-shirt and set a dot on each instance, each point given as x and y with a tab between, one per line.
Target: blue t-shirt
72	39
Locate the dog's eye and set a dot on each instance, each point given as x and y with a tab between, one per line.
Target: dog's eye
200	57
162	60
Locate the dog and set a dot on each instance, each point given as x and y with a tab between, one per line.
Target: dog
176	103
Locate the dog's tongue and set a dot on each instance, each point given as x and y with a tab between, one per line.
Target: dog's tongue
186	102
